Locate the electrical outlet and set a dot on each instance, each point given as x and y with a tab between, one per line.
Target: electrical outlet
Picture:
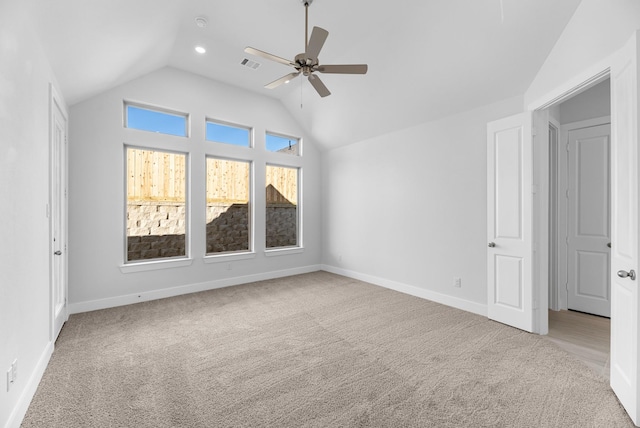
14	370
339	257
228	266
457	282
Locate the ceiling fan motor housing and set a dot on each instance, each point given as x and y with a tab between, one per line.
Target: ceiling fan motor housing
305	65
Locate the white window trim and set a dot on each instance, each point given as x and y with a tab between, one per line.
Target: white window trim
163	263
228	257
300	243
283	251
231	125
155	265
159	109
281	135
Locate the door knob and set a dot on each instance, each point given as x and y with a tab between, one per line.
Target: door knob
624	274
492	244
609	244
58	253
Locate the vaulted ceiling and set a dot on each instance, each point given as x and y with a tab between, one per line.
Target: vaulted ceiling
427	59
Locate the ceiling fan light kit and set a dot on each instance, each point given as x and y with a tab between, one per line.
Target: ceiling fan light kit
307	63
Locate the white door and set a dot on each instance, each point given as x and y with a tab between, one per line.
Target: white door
625	299
509	221
588	231
58	215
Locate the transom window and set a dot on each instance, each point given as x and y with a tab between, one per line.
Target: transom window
156	120
228	134
283	144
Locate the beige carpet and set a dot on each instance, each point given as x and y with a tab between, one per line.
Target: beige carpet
316	350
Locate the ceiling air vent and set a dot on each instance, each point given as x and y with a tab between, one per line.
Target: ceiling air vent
251	64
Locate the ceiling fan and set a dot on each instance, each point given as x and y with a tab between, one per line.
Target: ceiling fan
307	63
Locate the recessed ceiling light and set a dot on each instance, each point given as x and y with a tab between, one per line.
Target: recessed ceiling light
201	21
200	49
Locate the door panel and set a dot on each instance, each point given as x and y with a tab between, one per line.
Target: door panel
588	220
509	293
625	301
509	221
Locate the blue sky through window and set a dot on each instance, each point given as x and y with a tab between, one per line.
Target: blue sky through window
156	121
276	143
227	134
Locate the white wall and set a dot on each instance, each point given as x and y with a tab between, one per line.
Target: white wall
25	75
590	104
96	221
597	30
409	209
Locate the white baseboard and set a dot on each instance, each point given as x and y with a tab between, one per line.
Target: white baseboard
455	302
21	407
112	302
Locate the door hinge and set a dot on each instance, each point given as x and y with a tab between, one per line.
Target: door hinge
567	193
534	189
567	146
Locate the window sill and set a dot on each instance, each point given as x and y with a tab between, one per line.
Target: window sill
221	258
154	265
283	251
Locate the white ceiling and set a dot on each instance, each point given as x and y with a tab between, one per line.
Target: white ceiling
427	59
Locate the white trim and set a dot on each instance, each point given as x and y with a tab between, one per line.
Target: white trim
228	257
283	251
144	296
20	409
577	84
455	302
604	120
573	86
554	242
155	265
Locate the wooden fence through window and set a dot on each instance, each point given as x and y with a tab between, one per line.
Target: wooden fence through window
161	176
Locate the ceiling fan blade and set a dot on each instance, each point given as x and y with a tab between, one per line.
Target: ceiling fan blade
319	86
316	41
266	55
343	69
280	81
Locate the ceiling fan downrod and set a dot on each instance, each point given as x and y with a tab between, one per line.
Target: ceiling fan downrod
306	22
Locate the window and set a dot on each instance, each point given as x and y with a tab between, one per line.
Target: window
228	214
153	120
156	204
283	144
228	134
282	207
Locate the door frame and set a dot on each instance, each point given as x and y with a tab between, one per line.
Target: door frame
56	103
542	180
559	294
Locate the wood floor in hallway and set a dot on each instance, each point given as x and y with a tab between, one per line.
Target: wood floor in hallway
584	336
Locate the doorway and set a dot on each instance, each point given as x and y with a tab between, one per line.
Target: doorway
58	214
579	223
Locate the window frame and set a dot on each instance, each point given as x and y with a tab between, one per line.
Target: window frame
299	247
228	124
157	109
242	254
164	262
288	137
